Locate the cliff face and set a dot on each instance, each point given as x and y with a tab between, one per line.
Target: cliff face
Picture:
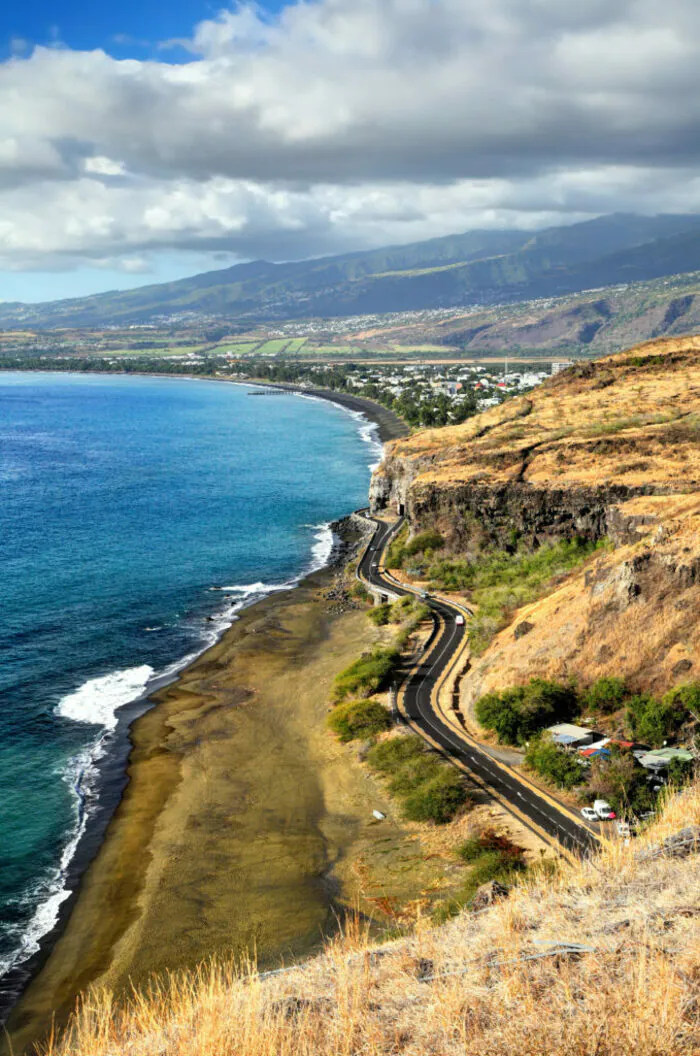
611	449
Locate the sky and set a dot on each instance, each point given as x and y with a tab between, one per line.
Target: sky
146	141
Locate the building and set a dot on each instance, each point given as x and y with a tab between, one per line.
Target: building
659	758
569	736
561	365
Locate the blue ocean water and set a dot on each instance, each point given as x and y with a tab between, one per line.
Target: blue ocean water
123	503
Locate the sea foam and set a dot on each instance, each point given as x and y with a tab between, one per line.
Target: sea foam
98	700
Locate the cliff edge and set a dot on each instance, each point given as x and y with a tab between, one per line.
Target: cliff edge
605	451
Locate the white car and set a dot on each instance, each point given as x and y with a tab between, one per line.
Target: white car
588	814
459	620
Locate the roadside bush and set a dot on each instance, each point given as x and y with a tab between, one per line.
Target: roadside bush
493	858
502	580
519	713
653	721
451	574
379	615
360	592
553	763
367	674
437	799
429	540
359	719
388	756
414	773
606	695
429	787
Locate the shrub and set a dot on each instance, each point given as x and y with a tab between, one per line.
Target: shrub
493	858
654	720
553	763
414	773
429	540
359	719
367	674
379	615
449	574
360	592
388	756
680	772
622	782
437	799
518	713
606	695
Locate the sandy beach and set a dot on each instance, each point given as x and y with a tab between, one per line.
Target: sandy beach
245	827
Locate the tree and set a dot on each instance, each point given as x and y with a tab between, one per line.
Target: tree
621	781
553	763
606	695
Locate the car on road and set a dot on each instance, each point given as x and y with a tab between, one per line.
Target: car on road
604	810
588	814
424	595
459	620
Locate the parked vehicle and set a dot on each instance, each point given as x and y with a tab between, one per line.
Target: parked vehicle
603	810
459	620
424	595
589	814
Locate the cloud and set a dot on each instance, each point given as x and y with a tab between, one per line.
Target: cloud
343	123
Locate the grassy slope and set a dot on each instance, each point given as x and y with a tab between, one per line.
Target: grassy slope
633	990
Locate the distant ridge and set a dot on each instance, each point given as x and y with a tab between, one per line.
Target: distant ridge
478	267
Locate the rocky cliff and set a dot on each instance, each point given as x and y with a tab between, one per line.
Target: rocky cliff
605	449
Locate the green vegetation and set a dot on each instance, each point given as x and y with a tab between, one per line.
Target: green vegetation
498	580
379	615
492	857
519	713
359	719
606	695
622	781
549	761
429	787
653	721
367	674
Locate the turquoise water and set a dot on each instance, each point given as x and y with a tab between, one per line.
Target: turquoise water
137	516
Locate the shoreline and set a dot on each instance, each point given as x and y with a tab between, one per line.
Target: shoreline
115	771
389	425
112	768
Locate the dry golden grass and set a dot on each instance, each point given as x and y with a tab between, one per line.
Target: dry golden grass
476	985
630	418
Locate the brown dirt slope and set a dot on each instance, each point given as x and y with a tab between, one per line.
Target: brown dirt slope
612	449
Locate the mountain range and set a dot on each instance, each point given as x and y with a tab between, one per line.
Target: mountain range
479	267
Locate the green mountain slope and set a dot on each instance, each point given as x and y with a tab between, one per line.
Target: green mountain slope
479	267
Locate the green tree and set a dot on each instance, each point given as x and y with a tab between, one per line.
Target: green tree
606	695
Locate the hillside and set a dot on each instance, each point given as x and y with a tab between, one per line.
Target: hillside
479	267
605	452
602	958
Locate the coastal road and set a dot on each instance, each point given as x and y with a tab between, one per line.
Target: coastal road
543	814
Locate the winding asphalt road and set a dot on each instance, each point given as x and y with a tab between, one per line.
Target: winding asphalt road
418	700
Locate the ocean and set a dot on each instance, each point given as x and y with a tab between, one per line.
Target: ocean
137	517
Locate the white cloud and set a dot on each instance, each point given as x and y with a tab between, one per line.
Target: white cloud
343	123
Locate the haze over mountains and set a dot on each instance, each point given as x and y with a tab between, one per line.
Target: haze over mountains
478	267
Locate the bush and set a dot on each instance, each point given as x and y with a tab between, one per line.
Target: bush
359	719
414	773
518	713
493	858
606	695
388	756
653	721
367	674
502	581
553	763
437	799
622	782
430	540
680	772
379	615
